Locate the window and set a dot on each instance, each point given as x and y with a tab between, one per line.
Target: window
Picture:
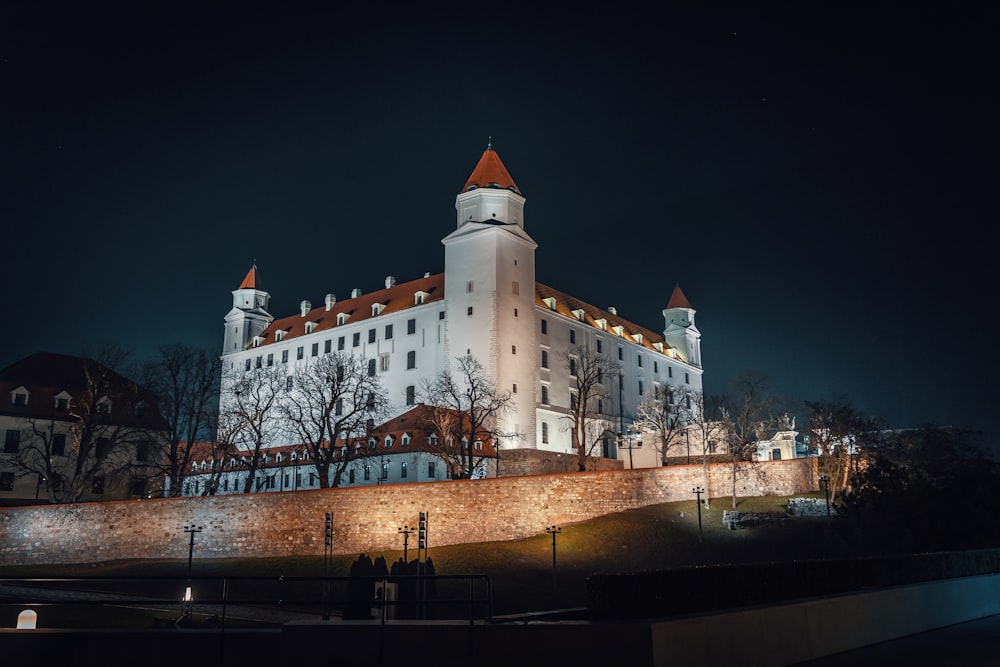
441	315
479	445
284	356
469	286
270	360
258	362
514	391
411	326
775	454
289	382
299	352
670	371
600	406
58	444
545	359
7	481
515	288
246	365
385	471
411	359
545	433
371	335
513	349
62	404
572	367
620	354
640	387
402	469
599	346
371	367
468	311
12	442
312	479
687	378
370	402
572	337
545	395
388	332
656	367
383	362
388	442
687	402
431	470
545	327
340	343
315	349
515	312
406	440
639	360
411	395
327	346
340	373
350	476
356	339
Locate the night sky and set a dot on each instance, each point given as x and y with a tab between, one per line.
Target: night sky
815	178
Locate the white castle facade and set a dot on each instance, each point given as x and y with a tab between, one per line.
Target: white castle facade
486	304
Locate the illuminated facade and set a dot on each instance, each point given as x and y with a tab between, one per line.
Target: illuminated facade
486	304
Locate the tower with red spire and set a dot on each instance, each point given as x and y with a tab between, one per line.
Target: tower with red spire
249	316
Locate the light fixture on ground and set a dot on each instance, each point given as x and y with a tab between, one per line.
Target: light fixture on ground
625	440
824	484
192	530
697	491
553	530
27	620
406	531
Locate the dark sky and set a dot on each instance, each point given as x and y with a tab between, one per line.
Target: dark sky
816	178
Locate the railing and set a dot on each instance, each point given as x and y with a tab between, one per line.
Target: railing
215	602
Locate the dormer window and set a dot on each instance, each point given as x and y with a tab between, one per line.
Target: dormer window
550	302
19	397
342	318
279	334
406	440
601	324
310	327
256	341
433	439
388	442
377	309
620	330
638	338
372	443
420	298
104	406
61	401
278	458
579	314
658	347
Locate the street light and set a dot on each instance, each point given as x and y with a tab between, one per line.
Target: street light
627	437
824	484
192	529
697	491
406	531
553	530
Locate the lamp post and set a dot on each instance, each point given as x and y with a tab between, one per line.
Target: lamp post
627	437
191	530
406	531
553	530
697	491
824	484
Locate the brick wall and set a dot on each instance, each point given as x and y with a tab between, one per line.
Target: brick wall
365	518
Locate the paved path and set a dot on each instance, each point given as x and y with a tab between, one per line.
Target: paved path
971	644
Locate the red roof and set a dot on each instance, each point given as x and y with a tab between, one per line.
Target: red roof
677	299
490	173
392	299
250	281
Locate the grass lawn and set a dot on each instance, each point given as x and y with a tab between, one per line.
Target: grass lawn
652	538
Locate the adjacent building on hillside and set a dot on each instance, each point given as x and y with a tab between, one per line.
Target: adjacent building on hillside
75	430
486	305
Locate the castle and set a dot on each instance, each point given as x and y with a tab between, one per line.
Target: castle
486	305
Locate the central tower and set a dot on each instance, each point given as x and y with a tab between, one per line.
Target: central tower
490	289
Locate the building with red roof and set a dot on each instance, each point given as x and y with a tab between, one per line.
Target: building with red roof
486	305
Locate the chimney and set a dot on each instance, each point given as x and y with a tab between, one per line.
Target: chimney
304	308
355	293
331	301
390	281
612	310
427	275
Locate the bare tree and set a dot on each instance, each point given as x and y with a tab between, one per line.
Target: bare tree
669	414
749	416
105	432
844	438
707	432
588	425
186	383
335	397
247	414
461	411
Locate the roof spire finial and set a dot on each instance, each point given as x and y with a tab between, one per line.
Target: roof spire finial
489	144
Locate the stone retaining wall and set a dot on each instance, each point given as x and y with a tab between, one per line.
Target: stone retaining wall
365	518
